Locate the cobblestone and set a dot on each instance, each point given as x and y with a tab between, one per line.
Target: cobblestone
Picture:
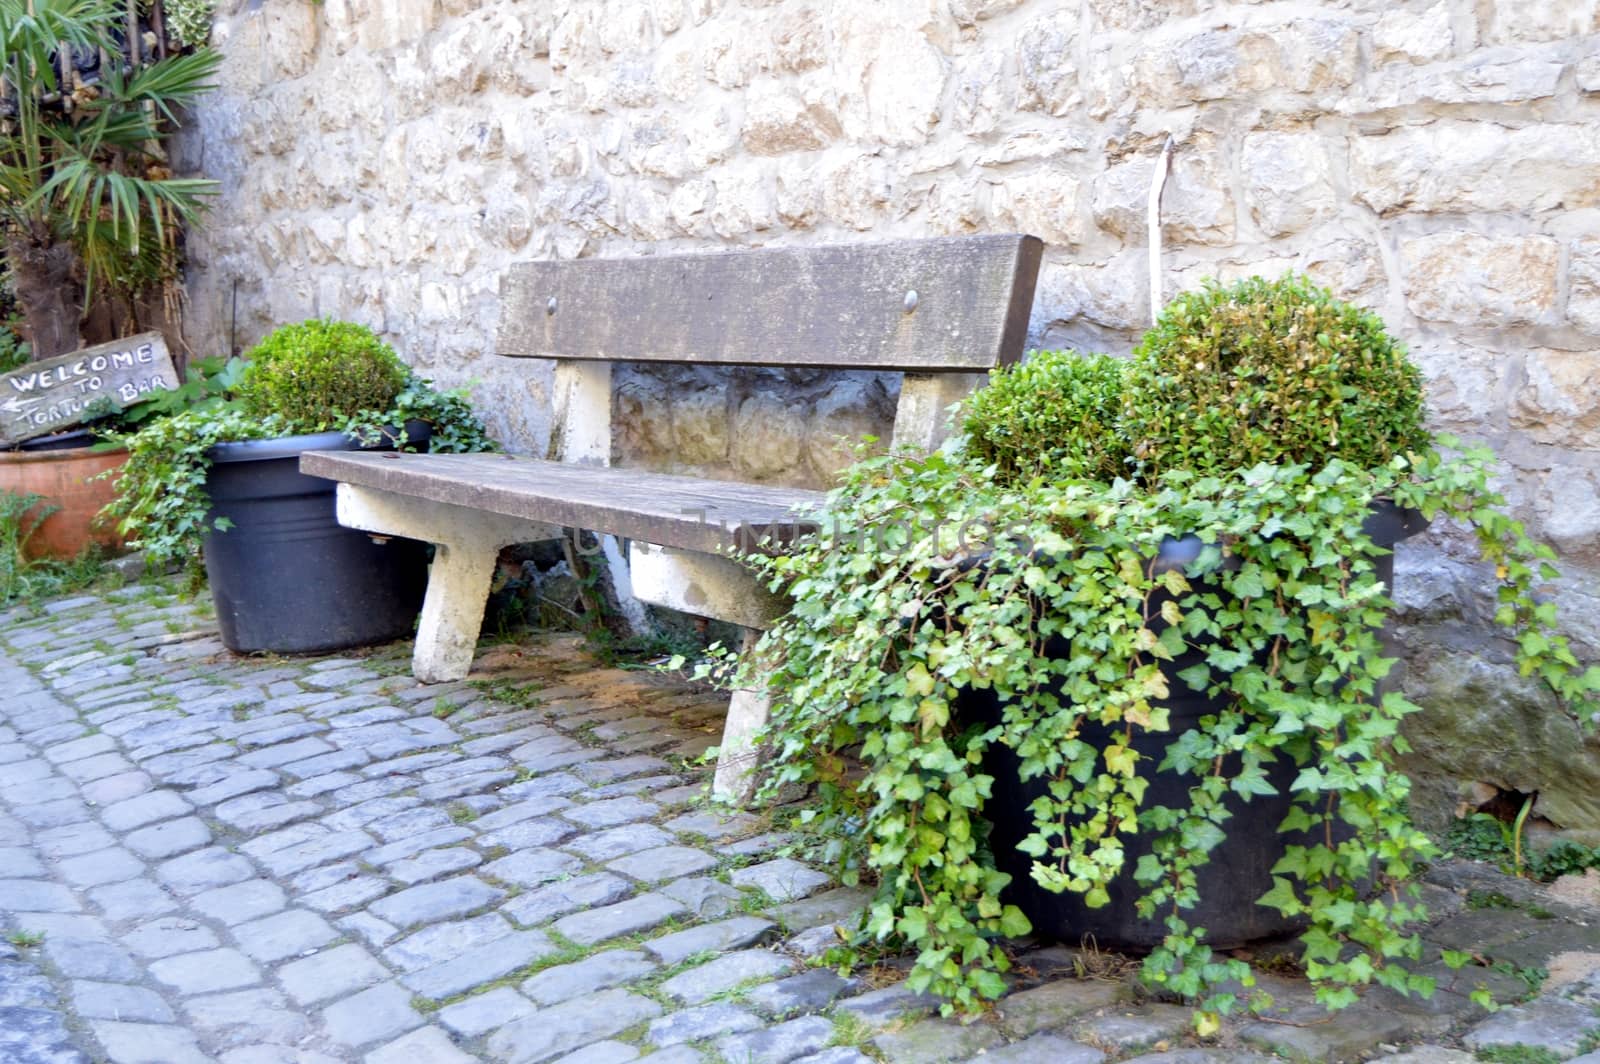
303	884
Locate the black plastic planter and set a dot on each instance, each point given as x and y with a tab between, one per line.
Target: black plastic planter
287	577
1240	868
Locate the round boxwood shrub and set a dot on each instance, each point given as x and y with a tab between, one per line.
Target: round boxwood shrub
317	374
1269	371
1056	413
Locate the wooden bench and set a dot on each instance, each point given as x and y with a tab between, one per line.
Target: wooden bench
942	311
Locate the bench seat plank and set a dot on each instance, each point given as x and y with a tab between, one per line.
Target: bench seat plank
689	513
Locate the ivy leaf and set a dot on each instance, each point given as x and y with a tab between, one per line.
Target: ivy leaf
1013	924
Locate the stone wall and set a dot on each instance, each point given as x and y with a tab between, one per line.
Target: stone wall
383	160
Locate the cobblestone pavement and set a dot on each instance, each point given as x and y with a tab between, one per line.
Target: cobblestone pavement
263	861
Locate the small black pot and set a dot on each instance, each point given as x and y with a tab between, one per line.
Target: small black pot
287	577
1240	868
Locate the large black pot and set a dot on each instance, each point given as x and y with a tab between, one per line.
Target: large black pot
1240	868
287	577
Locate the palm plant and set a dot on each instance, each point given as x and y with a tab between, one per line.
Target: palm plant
86	195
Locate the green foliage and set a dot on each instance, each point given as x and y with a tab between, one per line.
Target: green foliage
1518	1054
25	579
1054	414
189	21
161	504
93	174
1270	420
318	374
14	351
1481	837
1270	371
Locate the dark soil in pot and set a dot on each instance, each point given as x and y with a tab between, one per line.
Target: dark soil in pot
1240	868
287	577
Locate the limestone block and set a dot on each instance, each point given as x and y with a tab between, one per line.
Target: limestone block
983	92
574	37
1569	511
1478	280
1555	401
768	436
743	203
1287	185
690	206
324	239
961	205
780	122
1583	279
1587	74
626	83
1350	267
799	196
734	54
410	82
856	190
668	15
1482	722
359	250
625	27
1034	146
341	22
901	76
1477	166
799	41
1308	55
855	408
1047	75
647	213
394	22
1139	14
1464	386
1416	37
642	422
700	425
1044	203
514	53
1541	20
970	12
457	61
1113	294
1196	206
506	220
359	101
290	28
1493	75
440	304
679	71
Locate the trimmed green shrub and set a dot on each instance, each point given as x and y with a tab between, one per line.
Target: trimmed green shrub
317	374
1056	413
1269	371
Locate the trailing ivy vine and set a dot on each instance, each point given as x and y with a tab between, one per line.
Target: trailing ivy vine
931	576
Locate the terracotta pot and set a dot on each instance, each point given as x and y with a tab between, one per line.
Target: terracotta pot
62	478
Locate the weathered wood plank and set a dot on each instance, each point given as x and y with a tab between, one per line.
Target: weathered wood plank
846	307
684	512
43	397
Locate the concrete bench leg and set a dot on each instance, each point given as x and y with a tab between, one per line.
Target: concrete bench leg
467	543
452	611
740	756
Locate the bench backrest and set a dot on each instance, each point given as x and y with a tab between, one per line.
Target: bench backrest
942	311
958	304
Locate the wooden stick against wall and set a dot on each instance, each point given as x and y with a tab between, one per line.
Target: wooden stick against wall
1158	181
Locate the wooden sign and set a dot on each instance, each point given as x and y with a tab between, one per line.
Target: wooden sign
45	397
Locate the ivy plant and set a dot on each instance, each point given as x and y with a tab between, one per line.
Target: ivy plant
933	576
312	377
